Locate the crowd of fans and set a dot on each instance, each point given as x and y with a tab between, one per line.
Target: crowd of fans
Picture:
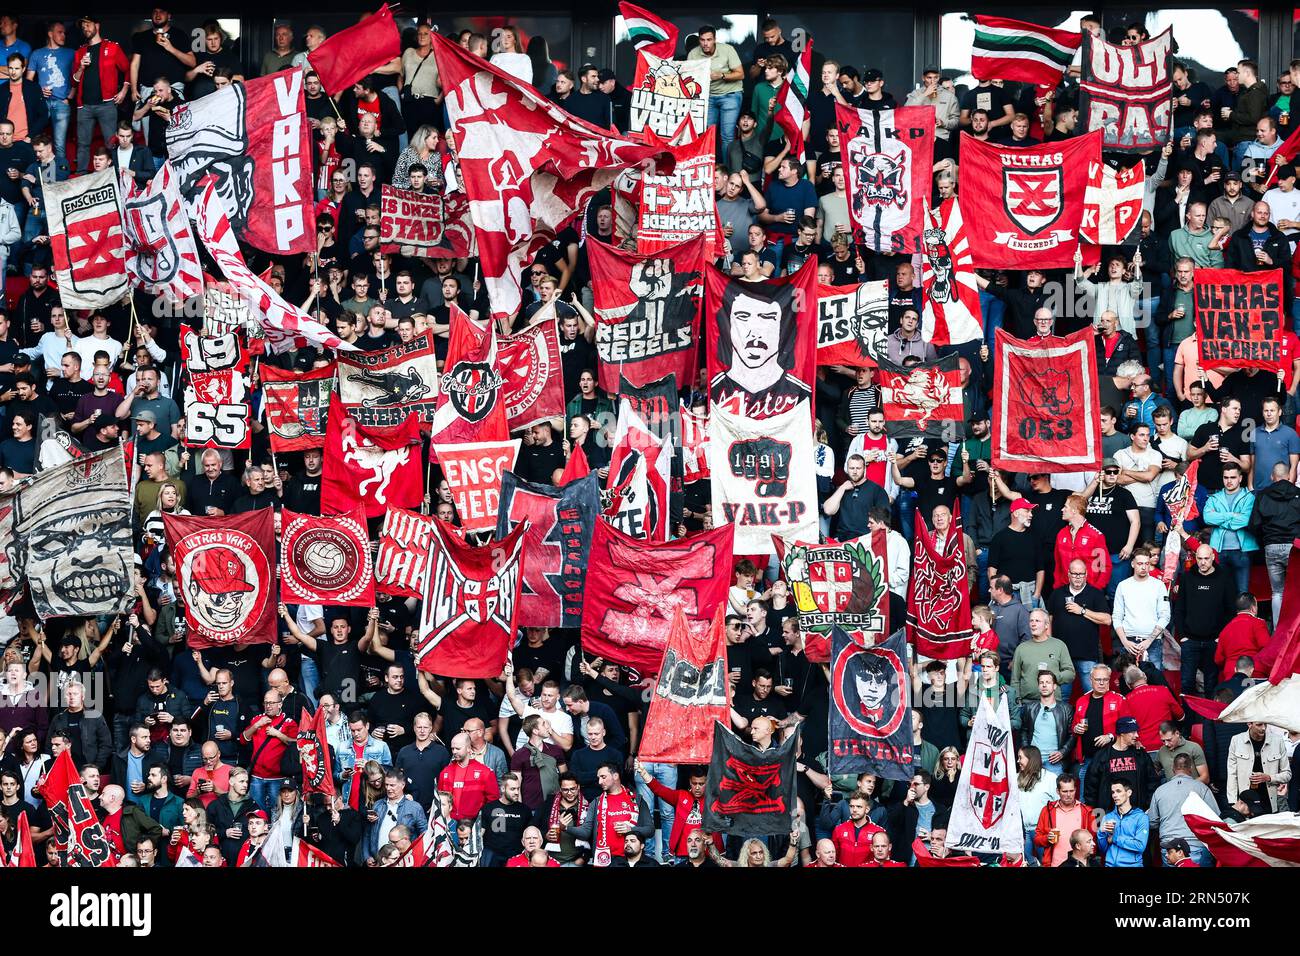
189	756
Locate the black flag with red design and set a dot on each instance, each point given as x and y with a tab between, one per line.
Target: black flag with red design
750	792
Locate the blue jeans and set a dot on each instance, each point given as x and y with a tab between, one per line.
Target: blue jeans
1120	570
1199	655
1081	771
60	117
265	792
993	309
1083	674
724	111
906	503
310	676
666	774
1237	562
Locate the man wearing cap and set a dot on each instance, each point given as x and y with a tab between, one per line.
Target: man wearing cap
1112	510
1284	201
1014	552
1178	852
876	98
1234	205
1122	759
100	74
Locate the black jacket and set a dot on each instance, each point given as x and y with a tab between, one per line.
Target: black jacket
902	827
1064	715
223	816
96	740
1205	603
1109	765
1241	255
1125	349
1021	306
38	114
140	163
1275	518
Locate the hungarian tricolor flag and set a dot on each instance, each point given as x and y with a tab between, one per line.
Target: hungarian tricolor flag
351	54
527	166
792	100
1006	49
938	593
314	754
78	834
648	32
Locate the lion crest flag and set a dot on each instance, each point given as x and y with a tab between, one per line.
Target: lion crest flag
226	573
381	467
986	810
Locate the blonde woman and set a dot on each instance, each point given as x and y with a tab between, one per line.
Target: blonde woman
946	771
754	853
510	56
169	498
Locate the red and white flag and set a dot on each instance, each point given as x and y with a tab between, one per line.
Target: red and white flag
1112	202
380	467
403	553
87	241
951	297
532	378
351	54
314	754
285	326
78	834
22	856
470	406
473	471
386	387
695	446
645	459
162	257
326	560
527	166
938	594
648	32
467	622
297	406
792	101
251	139
1269	840
226	571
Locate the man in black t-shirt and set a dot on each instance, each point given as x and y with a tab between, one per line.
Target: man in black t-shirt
1013	552
992	100
462	705
539	461
936	488
1078	611
1216	443
162	50
773	42
392	709
1112	511
761	700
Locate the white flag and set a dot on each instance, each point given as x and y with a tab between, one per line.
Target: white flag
986	810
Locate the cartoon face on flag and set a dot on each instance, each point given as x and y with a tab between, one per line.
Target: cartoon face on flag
887	156
226	571
871	724
668	95
761	346
70	537
951	303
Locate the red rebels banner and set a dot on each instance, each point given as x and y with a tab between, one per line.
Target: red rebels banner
853	324
634	588
78	834
1025	203
691	694
403	553
383	388
888	160
1239	319
255	139
472	596
226	572
647	310
474	470
1046	414
297	406
429	225
938	593
681	205
761	341
380	467
326	560
527	166
532	379
470	407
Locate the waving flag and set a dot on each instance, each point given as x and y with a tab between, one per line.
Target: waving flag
226	570
648	32
792	101
314	752
532	376
379	466
690	695
1269	840
86	240
1112	203
986	810
888	158
528	167
22	856
161	255
1127	92
750	792
297	406
470	406
351	54
926	397
1006	49
78	834
938	594
951	296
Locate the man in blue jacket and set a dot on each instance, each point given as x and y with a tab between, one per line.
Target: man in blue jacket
1227	514
396	808
1124	831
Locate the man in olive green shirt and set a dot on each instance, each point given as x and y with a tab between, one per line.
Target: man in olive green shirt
1041	652
726	78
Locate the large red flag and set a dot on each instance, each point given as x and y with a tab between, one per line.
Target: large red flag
938	594
297	406
691	694
952	298
226	572
403	553
532	376
527	166
633	588
326	560
22	856
473	471
1046	415
78	834
470	404
351	54
378	466
470	603
314	753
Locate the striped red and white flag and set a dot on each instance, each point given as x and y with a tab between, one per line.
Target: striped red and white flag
1269	840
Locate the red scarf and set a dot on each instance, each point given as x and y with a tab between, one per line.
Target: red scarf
612	809
354	795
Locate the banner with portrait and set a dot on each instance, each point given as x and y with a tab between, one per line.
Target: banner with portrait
871	707
853	324
669	96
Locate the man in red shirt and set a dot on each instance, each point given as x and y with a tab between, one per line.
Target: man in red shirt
531	842
1079	539
269	733
470	783
1178	853
1150	705
1095	714
852	838
881	848
1244	636
100	71
688	807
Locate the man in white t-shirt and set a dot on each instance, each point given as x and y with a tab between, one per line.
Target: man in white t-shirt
1284	201
1171	448
547	705
1140	466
